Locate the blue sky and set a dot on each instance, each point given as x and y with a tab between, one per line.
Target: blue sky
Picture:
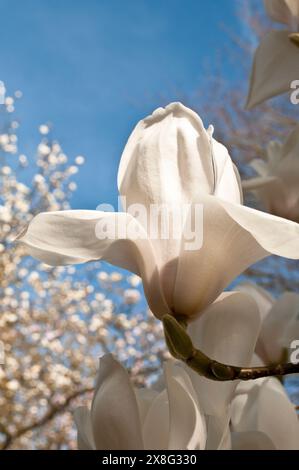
95	67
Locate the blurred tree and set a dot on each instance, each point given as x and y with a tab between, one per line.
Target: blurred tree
55	322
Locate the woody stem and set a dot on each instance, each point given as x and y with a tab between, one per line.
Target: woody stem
181	347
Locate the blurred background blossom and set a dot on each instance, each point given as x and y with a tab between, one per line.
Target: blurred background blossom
56	322
94	69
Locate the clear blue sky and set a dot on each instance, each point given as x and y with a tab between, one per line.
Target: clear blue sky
95	67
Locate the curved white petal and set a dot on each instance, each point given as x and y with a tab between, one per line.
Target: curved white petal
274	154
265	303
226	175
263	298
71	237
187	430
260	166
170	156
291	146
145	398
274	234
219	435
204	271
275	66
265	407
227	332
293	6
167	158
156	424
238	178
281	10
273	333
259	182
251	440
234	237
114	412
84	429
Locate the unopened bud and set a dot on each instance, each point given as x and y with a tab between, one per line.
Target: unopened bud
178	341
294	38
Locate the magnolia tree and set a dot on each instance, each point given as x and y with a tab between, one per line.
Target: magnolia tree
186	232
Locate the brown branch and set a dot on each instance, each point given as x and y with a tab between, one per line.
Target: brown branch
181	347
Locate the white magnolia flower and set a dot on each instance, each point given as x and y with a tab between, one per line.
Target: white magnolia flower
277	182
187	411
122	418
170	160
263	418
280	322
276	61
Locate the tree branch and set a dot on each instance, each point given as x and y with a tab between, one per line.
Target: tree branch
49	415
181	347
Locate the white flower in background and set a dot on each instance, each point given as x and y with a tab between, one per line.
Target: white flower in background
134	280
280	322
170	160
276	61
263	418
131	296
277	182
186	411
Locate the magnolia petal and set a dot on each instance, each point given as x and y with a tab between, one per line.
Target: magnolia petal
260	166
253	411
263	298
172	147
275	235
156	424
275	66
226	228
145	398
259	182
280	10
84	429
273	335
251	440
72	237
114	412
291	145
166	159
238	177
187	430
293	6
290	334
227	332
204	271
226	175
274	154
265	303
219	435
